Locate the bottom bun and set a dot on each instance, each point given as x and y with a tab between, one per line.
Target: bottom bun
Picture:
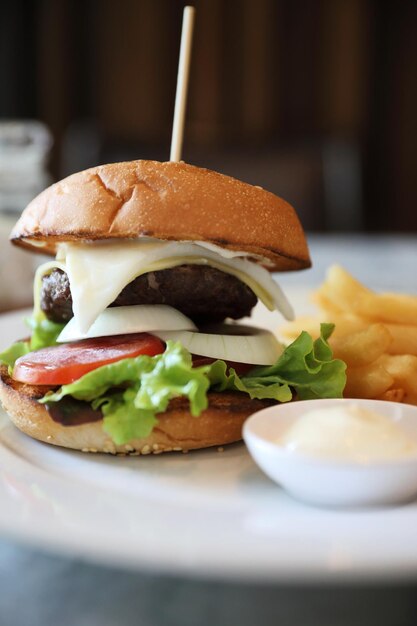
177	430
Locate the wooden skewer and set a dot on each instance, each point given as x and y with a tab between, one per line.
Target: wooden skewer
182	83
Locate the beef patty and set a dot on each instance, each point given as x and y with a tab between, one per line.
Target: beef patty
202	293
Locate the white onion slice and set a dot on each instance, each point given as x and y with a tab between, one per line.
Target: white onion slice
243	344
140	318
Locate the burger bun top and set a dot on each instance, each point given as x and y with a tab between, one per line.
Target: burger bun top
168	201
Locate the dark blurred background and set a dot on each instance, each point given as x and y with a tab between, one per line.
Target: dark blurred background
315	100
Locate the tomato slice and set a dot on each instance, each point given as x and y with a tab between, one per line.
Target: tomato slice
60	365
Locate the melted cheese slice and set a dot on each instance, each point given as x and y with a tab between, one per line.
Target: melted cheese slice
97	273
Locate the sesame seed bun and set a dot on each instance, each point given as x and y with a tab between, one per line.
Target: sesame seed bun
177	430
168	201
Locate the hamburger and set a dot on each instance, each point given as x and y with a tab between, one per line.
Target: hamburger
134	345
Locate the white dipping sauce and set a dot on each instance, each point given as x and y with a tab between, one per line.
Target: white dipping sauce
348	433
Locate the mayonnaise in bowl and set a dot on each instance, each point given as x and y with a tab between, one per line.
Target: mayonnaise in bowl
347	432
338	452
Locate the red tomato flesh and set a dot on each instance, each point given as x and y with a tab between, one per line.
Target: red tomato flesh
60	365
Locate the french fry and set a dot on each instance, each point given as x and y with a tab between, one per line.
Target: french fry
369	381
326	305
392	395
363	347
410	398
403	369
343	291
345	324
387	307
375	334
404	339
291	330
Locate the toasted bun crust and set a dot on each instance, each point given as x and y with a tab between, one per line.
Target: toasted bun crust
220	424
171	201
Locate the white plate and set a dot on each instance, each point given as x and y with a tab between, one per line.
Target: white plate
207	513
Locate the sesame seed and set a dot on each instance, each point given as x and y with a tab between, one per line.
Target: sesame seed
220	449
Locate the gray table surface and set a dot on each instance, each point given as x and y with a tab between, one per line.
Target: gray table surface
40	589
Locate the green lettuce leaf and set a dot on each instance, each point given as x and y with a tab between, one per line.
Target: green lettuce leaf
11	354
96	383
306	366
131	392
146	385
222	379
123	421
44	332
